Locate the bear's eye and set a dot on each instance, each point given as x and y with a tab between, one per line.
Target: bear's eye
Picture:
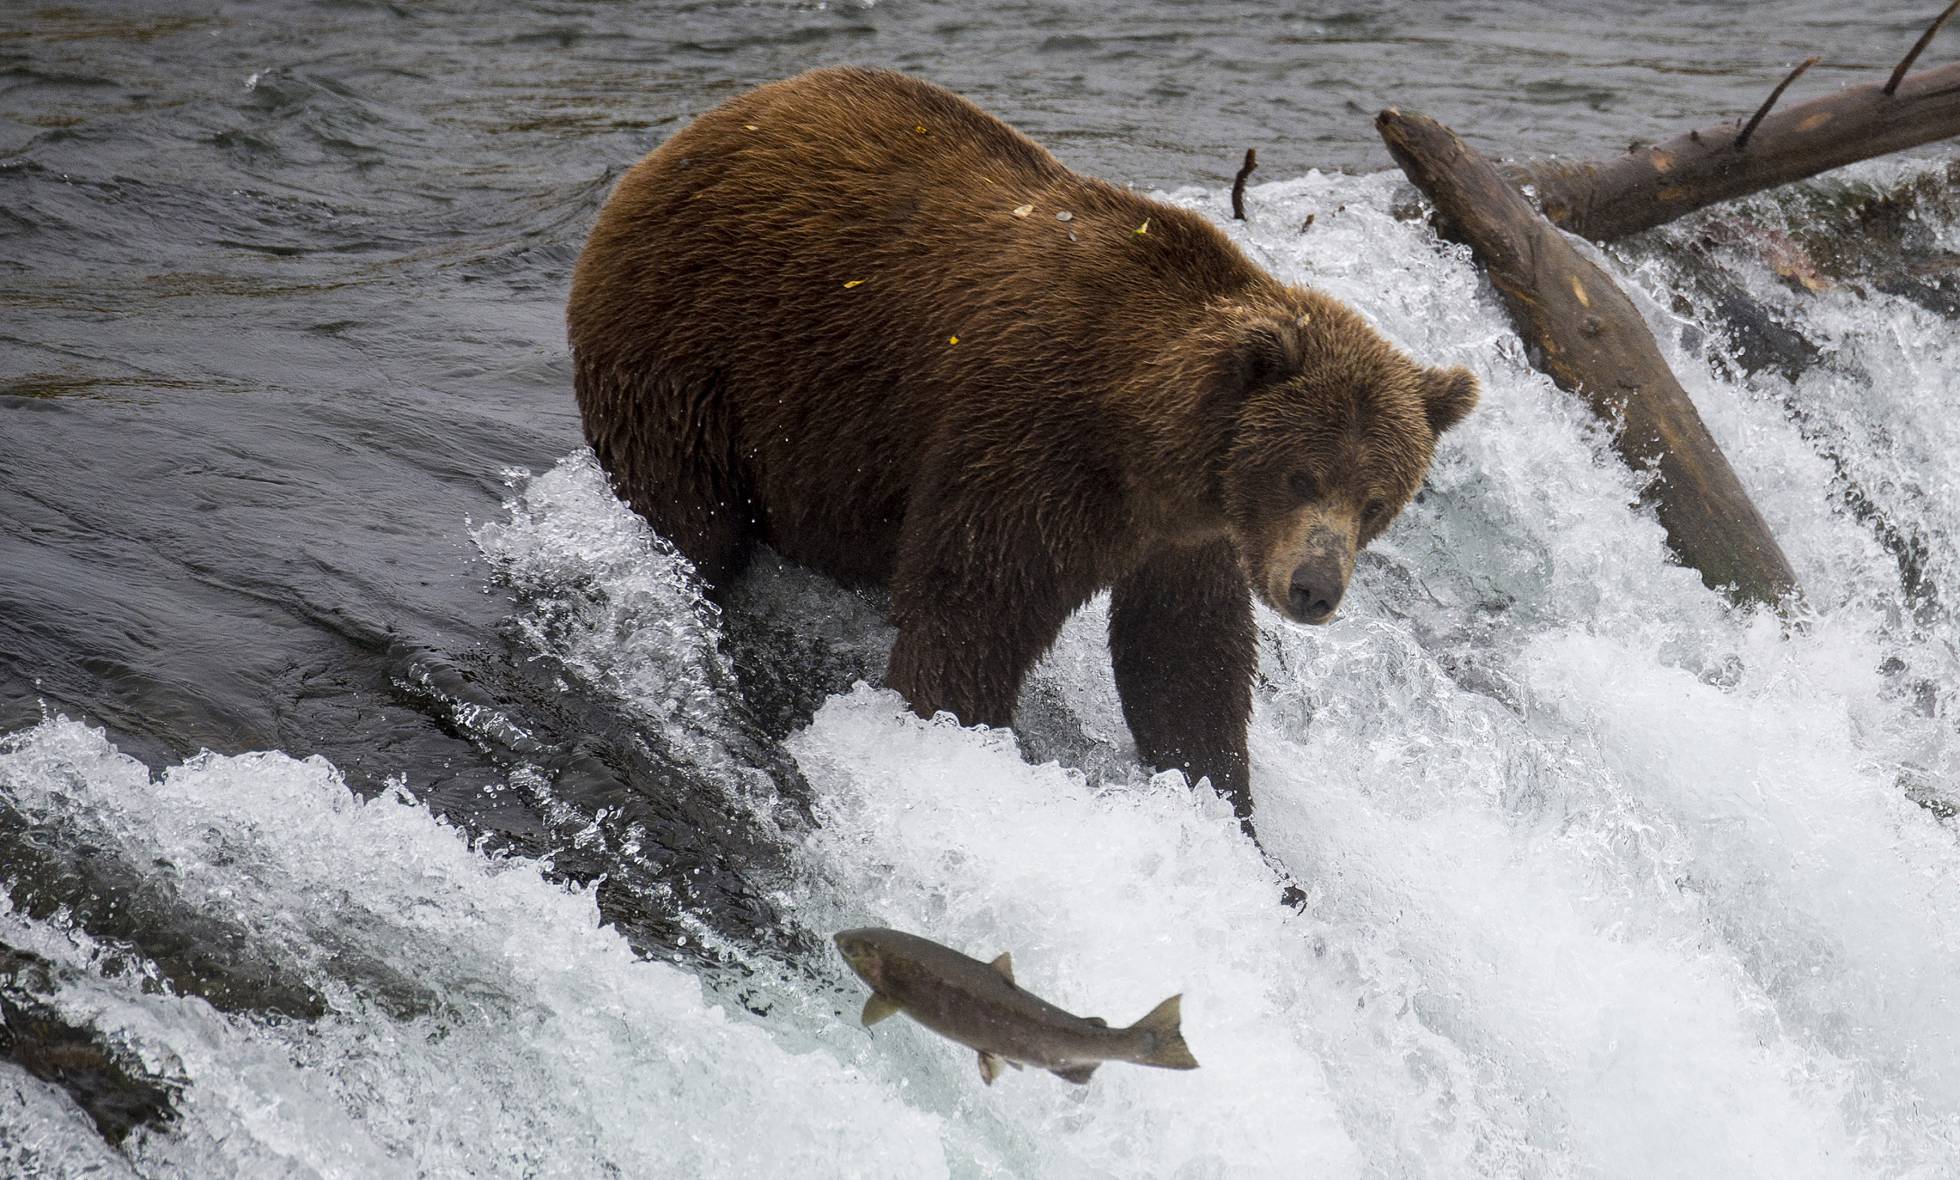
1304	487
1372	514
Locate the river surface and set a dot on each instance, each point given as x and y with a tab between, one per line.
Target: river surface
379	785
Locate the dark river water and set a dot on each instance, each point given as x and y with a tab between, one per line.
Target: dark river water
281	299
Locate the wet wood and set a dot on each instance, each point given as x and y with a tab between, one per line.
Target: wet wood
1919	47
1585	333
1238	183
1650	186
1762	112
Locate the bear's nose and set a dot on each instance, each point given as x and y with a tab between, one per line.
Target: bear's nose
1316	590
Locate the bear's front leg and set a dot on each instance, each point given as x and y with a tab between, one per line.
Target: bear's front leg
967	651
1184	648
977	601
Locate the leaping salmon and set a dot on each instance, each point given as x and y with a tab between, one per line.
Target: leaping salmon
980	1006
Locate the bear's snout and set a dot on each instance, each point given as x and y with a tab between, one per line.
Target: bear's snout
1317	586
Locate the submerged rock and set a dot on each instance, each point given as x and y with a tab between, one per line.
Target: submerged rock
117	1095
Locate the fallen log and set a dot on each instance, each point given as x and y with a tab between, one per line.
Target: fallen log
1585	333
1649	186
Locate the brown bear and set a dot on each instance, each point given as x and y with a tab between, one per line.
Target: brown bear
855	317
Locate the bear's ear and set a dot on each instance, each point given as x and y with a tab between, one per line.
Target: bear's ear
1264	351
1447	395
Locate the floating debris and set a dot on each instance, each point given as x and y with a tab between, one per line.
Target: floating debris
952	339
1142	229
921	129
1023	210
849	283
1064	215
750	127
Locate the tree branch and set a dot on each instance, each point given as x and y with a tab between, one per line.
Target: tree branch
1742	140
1245	170
1918	47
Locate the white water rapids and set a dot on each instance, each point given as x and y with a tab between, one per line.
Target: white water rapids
1605	878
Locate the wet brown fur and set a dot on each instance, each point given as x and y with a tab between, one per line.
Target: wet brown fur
763	325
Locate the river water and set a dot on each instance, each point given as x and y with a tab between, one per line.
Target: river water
377	782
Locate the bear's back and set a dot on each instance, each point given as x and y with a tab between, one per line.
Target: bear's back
856	262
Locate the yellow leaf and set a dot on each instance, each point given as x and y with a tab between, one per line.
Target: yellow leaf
921	129
750	127
852	283
1142	229
1023	210
952	339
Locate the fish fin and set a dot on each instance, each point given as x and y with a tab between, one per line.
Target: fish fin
877	1008
1098	1021
1164	1037
989	1067
1079	1075
1005	965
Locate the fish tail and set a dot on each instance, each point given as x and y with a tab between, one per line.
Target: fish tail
1162	1037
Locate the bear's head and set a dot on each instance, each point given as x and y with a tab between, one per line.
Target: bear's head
1332	429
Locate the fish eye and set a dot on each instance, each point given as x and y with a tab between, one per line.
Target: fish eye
1303	486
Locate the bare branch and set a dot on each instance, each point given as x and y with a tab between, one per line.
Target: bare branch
1918	47
1742	140
1245	170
